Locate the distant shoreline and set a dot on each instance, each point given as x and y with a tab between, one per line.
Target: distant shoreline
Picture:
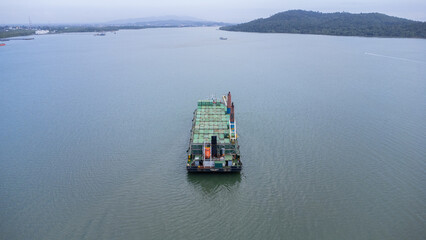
327	35
11	34
15	38
20	31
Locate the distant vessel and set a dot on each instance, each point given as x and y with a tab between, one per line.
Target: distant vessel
100	34
223	38
213	145
2	44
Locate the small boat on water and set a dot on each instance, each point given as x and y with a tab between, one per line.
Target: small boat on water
100	34
223	38
2	44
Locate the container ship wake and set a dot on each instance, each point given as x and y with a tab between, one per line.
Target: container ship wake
213	146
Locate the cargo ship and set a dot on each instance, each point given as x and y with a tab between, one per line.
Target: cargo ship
213	146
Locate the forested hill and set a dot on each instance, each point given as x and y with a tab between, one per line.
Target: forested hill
340	24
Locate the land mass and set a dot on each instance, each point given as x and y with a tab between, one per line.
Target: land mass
8	31
164	21
339	24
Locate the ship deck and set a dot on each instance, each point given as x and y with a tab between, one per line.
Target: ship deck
210	119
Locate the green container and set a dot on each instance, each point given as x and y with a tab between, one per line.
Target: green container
218	165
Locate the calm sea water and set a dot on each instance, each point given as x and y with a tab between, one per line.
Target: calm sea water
94	132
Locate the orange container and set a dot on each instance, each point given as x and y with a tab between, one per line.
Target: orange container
207	152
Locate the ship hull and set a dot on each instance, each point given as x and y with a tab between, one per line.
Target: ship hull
213	170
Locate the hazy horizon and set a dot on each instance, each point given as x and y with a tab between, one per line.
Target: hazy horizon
98	11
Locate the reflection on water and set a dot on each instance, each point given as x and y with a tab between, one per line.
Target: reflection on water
212	183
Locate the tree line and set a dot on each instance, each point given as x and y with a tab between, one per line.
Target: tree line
340	24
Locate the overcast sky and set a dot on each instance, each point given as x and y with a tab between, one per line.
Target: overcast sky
233	11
